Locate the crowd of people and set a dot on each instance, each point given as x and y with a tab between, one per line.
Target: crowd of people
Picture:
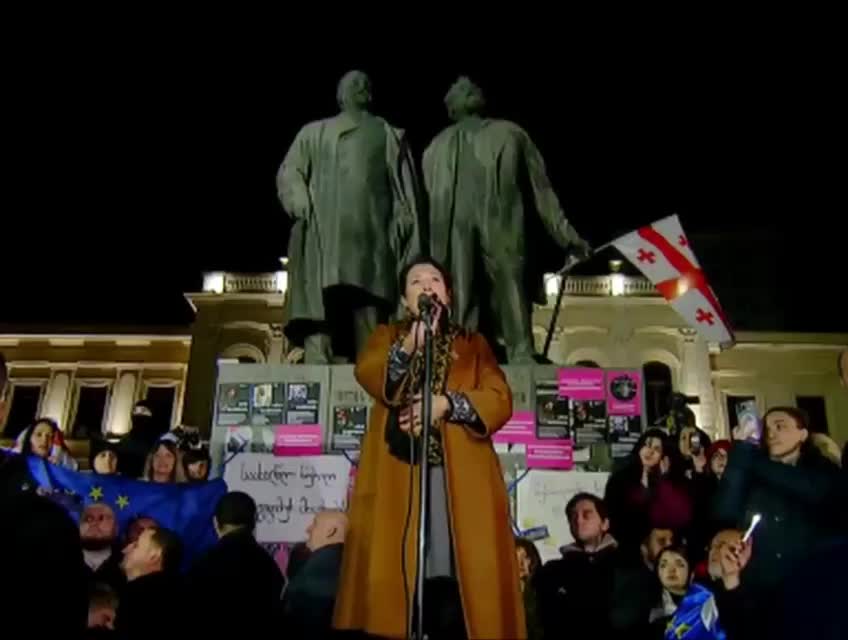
727	539
96	579
664	553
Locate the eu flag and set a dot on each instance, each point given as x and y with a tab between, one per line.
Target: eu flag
696	618
186	509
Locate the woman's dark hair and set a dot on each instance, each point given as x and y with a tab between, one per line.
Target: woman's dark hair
633	466
681	550
419	260
26	447
634	462
190	456
196	455
97	445
532	553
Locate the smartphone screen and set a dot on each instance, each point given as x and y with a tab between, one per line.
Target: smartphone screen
750	426
695	443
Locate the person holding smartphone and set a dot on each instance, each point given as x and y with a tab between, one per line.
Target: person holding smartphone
693	444
792	486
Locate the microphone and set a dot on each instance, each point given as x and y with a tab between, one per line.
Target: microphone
427	303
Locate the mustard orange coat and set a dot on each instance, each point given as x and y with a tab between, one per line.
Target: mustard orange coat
371	594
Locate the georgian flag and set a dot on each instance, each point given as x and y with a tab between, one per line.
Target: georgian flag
661	251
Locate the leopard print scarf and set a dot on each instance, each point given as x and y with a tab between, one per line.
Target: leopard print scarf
400	442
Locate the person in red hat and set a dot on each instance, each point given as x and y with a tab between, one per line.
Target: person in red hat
717	455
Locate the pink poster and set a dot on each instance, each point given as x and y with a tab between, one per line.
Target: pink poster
624	392
581	384
521	429
554	454
297	440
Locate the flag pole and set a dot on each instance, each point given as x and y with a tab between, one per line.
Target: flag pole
570	263
592	254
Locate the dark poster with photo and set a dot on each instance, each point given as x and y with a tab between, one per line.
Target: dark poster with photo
234	404
302	402
624	403
588	422
552	411
622	434
584	389
349	423
269	404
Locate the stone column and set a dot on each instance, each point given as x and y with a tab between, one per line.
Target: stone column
121	406
56	398
696	378
200	380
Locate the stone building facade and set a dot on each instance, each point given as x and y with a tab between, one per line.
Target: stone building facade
612	320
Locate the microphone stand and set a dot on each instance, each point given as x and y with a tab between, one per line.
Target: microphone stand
424	471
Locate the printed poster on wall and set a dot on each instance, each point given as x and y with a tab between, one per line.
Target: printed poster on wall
234	404
269	404
584	389
624	405
349	424
552	411
553	448
303	401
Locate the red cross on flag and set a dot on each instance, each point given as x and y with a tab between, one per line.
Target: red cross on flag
661	251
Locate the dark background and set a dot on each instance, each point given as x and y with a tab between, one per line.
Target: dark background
135	163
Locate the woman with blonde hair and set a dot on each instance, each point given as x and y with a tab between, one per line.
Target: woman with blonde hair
164	464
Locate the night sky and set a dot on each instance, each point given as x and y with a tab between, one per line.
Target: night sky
118	156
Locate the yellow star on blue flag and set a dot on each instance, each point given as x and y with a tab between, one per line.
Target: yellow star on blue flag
681	629
187	510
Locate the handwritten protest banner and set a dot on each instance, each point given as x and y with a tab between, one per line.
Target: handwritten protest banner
289	491
541	501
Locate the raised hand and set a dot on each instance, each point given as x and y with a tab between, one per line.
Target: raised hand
733	558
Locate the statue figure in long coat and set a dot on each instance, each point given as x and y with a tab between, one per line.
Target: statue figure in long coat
349	184
492	209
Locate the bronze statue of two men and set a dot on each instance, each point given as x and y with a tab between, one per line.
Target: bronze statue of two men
349	182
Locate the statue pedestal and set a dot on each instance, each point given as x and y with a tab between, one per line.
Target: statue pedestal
255	402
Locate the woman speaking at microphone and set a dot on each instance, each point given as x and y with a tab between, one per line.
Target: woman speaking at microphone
471	576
